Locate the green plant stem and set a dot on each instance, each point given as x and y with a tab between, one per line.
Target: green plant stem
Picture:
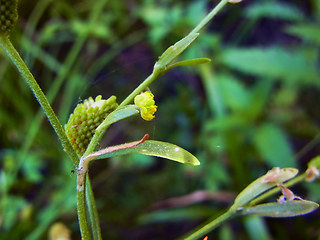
82	213
93	212
207	19
273	191
155	74
211	225
14	56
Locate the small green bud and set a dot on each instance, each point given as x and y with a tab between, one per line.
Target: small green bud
86	117
8	15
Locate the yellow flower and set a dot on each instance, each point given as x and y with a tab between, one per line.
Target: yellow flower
146	104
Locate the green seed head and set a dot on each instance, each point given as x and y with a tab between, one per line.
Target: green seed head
84	120
8	15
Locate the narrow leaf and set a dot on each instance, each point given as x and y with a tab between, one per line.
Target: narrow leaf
284	209
118	115
191	62
263	184
305	31
175	50
111	149
159	149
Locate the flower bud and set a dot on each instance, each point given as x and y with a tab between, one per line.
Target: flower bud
146	104
84	120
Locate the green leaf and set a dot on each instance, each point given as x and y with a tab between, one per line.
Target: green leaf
305	31
260	186
191	62
273	9
275	63
259	97
235	93
118	115
159	149
273	146
175	50
283	209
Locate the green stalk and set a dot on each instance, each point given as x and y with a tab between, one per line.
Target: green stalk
82	213
207	19
156	72
211	225
15	58
93	212
154	75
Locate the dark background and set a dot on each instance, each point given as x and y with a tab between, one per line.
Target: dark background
254	107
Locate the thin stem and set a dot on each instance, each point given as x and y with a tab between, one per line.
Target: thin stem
93	212
207	19
82	213
211	225
273	191
155	74
14	56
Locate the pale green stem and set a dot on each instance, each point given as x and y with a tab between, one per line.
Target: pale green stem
207	19
14	56
93	212
211	225
82	213
155	74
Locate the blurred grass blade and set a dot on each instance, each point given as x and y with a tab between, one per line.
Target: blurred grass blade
273	146
275	10
159	149
175	50
273	62
284	209
260	185
256	226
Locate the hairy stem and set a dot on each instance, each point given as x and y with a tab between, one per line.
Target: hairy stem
82	213
15	58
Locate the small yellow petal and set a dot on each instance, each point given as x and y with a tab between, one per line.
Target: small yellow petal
146	104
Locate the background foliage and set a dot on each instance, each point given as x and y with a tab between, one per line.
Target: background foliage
255	106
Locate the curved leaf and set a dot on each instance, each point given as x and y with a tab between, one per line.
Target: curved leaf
284	209
159	149
175	50
118	115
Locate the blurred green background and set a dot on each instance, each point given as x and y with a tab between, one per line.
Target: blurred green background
255	106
